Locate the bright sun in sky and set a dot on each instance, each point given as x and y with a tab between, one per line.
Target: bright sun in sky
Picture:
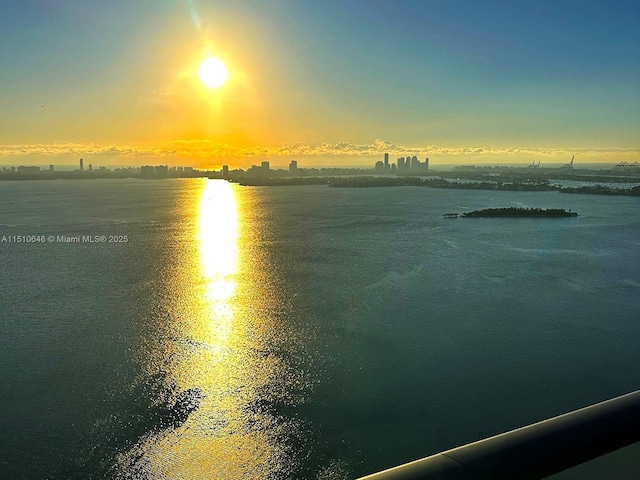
213	72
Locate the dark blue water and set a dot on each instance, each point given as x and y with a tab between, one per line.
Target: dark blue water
298	332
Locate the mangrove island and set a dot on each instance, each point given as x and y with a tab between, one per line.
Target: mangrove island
520	212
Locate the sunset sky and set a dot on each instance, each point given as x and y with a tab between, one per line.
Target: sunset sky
332	82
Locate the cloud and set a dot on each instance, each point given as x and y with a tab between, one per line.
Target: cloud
65	149
212	151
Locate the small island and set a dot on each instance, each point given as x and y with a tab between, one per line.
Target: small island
520	212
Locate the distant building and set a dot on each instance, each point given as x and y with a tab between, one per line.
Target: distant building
22	169
465	167
225	171
90	168
386	162
412	165
627	167
293	167
81	164
51	168
147	171
161	170
379	166
265	168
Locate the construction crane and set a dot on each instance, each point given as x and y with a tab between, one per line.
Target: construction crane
569	165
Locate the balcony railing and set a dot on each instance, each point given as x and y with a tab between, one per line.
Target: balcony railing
535	451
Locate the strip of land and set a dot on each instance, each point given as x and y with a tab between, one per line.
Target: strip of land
513	185
520	212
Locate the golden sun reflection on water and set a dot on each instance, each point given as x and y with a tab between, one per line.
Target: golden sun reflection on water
218	244
221	344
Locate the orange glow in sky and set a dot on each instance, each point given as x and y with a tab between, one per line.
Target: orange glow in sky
325	84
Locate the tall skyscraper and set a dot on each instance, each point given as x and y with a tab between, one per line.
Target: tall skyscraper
293	167
386	162
81	164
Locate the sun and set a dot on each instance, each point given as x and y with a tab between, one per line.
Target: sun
213	72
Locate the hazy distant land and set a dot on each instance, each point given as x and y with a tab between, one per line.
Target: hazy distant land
502	182
598	182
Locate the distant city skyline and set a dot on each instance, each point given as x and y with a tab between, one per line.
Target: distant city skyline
337	83
411	165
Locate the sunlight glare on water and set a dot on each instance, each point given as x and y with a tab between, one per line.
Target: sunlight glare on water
219	353
218	241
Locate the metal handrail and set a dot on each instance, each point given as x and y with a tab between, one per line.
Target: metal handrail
535	451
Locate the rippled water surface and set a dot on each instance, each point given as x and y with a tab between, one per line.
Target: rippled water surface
298	332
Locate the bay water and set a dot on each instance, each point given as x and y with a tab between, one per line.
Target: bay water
192	328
